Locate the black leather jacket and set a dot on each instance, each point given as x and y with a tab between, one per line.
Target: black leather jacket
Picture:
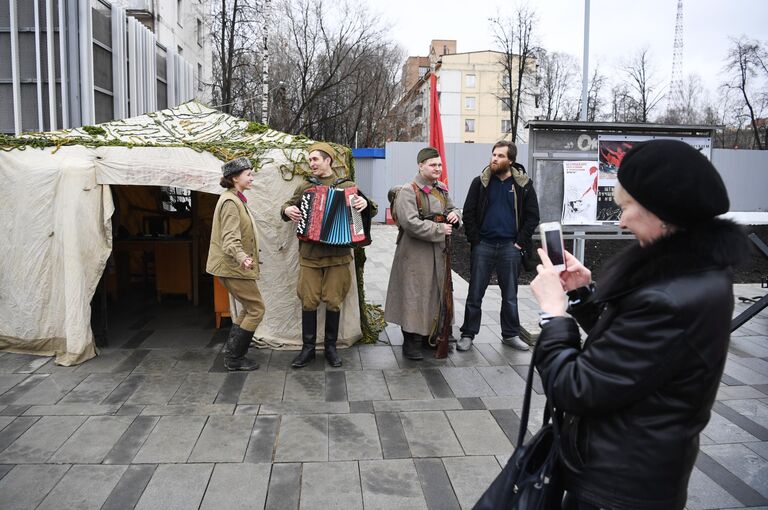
641	389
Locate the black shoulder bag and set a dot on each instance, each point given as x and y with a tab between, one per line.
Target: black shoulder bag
530	479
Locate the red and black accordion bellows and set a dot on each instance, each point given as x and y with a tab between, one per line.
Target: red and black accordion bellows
328	217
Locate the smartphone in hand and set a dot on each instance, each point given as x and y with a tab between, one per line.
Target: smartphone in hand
552	242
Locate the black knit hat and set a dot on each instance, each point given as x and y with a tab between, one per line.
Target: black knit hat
674	181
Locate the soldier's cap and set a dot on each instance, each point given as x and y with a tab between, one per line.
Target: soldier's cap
236	166
427	153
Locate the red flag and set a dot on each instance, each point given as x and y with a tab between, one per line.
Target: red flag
436	126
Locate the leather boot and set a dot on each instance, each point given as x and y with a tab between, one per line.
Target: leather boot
412	346
230	338
331	335
308	339
238	345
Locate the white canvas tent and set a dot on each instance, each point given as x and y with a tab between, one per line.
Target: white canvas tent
56	233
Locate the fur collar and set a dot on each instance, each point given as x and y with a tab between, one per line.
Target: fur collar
520	177
716	244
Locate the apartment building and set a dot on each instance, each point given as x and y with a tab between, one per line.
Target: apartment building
69	63
474	101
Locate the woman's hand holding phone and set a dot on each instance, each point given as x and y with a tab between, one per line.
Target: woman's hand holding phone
575	275
547	287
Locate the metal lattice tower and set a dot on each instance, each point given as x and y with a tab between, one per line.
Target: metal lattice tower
676	82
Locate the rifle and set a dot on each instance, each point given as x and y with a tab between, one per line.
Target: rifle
445	316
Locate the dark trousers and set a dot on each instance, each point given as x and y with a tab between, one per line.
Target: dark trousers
505	258
571	503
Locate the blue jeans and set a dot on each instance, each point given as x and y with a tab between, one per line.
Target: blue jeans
505	258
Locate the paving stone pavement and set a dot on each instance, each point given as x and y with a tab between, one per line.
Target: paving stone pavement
154	422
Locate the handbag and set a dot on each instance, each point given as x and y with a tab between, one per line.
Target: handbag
530	479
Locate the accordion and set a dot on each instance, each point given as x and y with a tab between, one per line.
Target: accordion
328	217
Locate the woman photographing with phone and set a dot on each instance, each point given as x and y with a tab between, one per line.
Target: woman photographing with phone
640	389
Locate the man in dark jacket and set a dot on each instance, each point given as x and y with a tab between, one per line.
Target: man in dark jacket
500	214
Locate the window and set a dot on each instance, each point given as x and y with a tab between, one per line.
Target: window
470	81
506	126
469	125
178	13
469	102
178	200
505	82
506	104
199	77
199	32
179	50
422	71
103	86
161	59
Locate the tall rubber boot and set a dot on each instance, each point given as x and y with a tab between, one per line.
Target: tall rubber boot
238	345
412	346
331	335
232	332
308	339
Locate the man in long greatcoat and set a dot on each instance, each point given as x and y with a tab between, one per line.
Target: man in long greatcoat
416	280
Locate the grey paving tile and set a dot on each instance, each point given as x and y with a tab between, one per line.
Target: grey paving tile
361	406
353	437
513	356
759	448
11	362
374	357
490	354
224	439
523	371
107	362
335	387
196	360
721	430
407	384
303	439
15	428
130	487
231	388
331	485
749	467
250	409
83	487
4	469
41	440
743	374
25	487
198	388
284	487
171	440
22	388
155	389
437	384
303	386
435	484
704	493
466	382
237	486
189	410
13	410
5	421
391	484
94	389
8	381
305	408
50	390
437	404
157	362
470	358
394	444
472	403
470	476
281	361
479	433
503	380
366	385
34	364
124	391
132	439
739	392
176	486
93	440
261	444
509	422
429	434
754	410
71	410
747	495
262	386
350	360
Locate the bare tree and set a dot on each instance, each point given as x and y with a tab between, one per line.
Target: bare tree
689	109
595	101
514	38
642	85
558	81
623	105
746	58
235	31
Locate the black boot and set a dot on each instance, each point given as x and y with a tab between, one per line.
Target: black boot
232	333
308	339
331	335
412	346
237	347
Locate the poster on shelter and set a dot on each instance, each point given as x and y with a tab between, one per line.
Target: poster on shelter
607	209
580	192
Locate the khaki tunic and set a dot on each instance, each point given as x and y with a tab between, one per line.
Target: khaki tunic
316	283
233	238
418	269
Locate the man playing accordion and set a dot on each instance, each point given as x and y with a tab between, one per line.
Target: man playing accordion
324	273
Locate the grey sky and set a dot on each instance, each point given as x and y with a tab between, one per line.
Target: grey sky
618	28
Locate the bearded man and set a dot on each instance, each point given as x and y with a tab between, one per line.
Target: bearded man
501	213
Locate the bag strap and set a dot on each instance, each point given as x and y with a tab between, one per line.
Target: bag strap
549	410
